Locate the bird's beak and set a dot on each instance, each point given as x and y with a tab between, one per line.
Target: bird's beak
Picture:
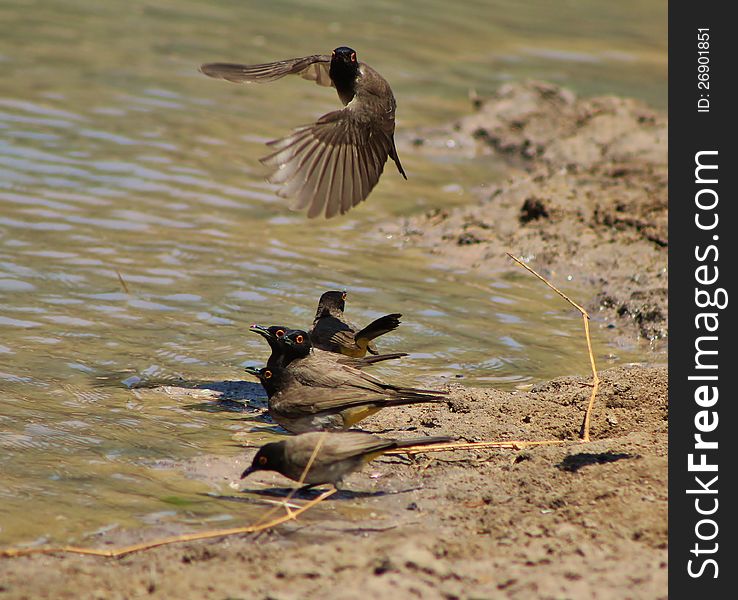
253	371
247	472
263	331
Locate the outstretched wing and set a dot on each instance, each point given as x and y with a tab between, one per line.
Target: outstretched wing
332	165
314	68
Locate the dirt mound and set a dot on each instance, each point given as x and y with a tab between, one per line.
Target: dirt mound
587	198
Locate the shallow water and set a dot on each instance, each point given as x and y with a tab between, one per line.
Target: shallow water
137	232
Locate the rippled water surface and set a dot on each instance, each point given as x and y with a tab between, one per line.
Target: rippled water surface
137	233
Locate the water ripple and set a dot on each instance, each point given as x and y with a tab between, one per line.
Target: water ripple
138	236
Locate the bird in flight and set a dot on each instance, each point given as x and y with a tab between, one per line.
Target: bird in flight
333	164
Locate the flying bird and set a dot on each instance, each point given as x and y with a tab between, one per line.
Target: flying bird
333	164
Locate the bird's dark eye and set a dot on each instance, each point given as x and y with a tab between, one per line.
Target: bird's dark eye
267	374
343	296
299	339
279	333
262	460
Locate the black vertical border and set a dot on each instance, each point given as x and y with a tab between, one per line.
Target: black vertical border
691	131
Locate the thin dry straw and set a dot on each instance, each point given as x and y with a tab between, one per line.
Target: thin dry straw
511	444
584	432
517	444
122	281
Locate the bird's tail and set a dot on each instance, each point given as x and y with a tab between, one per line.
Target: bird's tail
422	441
413	397
370	360
356	410
409	391
396	158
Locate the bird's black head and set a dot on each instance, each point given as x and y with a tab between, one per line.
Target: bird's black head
273	333
331	303
255	371
266	376
298	342
344	54
270	457
274	336
343	71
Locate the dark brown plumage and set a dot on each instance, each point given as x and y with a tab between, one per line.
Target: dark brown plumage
333	455
316	392
333	164
332	332
282	354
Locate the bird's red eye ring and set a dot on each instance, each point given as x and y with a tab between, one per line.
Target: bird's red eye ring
279	333
267	374
343	296
353	57
299	339
262	460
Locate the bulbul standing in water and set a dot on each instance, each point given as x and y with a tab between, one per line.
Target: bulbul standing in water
333	164
332	332
273	335
316	392
282	354
333	455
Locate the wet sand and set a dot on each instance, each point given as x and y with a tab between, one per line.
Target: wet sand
586	198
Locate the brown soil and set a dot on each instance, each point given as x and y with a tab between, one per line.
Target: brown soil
588	199
573	520
560	521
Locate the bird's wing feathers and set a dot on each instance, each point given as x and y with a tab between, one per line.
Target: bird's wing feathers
338	447
335	376
321	400
313	68
332	165
355	444
344	338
